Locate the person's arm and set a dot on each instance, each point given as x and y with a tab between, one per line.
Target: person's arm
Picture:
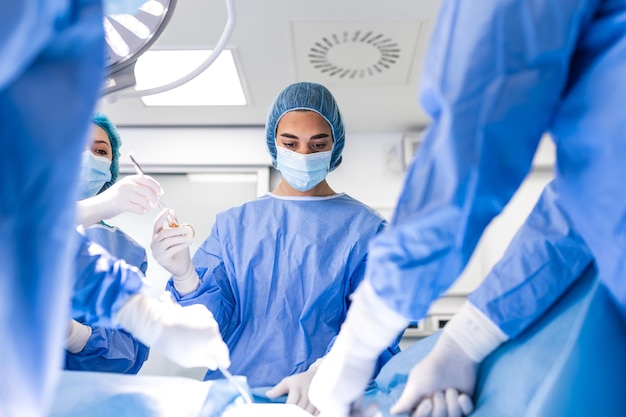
133	193
104	350
103	283
545	257
494	76
543	260
206	281
111	293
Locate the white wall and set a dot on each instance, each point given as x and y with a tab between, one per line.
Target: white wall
372	171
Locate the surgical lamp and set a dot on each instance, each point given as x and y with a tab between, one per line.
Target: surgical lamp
129	36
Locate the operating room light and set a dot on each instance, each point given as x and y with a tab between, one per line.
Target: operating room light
218	85
127	36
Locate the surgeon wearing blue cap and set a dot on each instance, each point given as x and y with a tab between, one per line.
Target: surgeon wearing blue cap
499	74
277	272
97	348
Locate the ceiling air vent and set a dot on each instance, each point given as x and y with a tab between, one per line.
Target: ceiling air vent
355	52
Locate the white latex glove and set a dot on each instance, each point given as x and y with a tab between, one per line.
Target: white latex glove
134	194
170	247
77	337
370	327
297	389
441	385
188	336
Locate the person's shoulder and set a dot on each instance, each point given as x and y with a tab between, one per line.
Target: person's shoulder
347	199
361	208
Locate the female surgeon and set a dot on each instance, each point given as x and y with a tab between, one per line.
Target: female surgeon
96	348
277	272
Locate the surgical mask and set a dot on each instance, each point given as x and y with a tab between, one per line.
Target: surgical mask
302	172
95	172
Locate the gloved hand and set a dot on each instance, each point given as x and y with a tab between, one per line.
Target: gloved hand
370	327
297	389
133	193
435	382
442	383
170	247
188	336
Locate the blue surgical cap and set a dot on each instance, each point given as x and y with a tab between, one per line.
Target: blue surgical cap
103	121
307	96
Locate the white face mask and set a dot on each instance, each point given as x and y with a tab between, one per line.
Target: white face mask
303	172
95	172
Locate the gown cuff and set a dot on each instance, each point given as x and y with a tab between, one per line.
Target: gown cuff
78	337
474	332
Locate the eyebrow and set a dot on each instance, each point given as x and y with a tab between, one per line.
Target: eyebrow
318	136
102	142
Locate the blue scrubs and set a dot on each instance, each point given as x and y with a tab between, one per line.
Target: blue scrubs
497	76
543	260
277	273
111	350
103	284
50	73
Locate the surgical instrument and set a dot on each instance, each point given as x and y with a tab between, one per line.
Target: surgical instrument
172	221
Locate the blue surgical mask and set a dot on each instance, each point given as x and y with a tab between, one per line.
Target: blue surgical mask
95	172
302	172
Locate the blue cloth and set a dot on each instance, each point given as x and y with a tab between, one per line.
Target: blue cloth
96	394
103	284
497	76
309	96
569	363
50	73
111	350
119	244
277	273
542	261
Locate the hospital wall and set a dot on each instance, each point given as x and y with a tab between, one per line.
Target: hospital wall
207	170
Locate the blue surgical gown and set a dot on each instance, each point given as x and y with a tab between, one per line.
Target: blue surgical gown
103	284
277	273
498	75
111	350
51	68
543	260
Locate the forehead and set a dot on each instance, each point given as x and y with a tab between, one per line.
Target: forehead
303	120
98	134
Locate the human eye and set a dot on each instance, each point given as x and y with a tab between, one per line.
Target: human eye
100	151
320	146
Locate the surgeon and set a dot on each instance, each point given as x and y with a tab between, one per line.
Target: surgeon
492	89
50	73
278	272
97	348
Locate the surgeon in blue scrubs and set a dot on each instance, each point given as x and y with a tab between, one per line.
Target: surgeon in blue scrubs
97	348
498	75
278	272
50	73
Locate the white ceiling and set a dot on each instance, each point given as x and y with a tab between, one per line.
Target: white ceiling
277	42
